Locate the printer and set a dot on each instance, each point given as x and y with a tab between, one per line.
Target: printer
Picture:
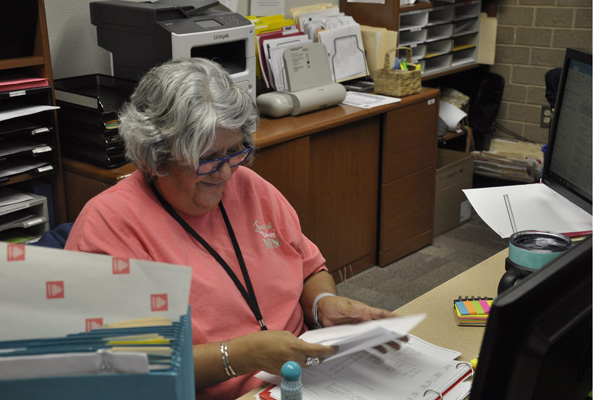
142	35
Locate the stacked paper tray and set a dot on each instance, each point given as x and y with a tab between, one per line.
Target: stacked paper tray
88	118
472	311
171	381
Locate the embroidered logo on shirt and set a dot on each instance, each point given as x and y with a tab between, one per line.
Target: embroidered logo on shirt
93	323
15	252
120	266
267	232
55	290
159	302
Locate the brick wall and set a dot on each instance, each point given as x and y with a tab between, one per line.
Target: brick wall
531	39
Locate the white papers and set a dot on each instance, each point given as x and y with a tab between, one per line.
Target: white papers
15	112
368	100
48	292
68	364
273	50
346	52
451	115
267	7
355	337
535	207
10	196
414	372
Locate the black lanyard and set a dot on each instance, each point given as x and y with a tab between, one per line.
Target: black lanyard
248	295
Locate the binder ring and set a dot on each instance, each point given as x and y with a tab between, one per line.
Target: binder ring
434	391
469	364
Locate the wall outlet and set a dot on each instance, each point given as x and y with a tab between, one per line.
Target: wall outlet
546	118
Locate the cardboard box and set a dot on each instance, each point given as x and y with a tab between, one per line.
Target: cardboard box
454	173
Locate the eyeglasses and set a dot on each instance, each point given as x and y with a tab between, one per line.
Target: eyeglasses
212	166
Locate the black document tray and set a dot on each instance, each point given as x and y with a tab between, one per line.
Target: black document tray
101	93
87	133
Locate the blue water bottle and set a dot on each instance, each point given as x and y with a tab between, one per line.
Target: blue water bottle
291	385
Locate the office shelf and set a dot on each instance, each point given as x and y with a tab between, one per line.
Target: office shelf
29	142
444	37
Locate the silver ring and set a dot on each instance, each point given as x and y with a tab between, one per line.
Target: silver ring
312	361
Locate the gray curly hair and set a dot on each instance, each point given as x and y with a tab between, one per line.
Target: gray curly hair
175	109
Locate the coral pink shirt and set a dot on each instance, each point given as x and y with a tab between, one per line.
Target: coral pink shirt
127	220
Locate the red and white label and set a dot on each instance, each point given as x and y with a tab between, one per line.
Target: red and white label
93	323
55	290
120	266
15	252
159	302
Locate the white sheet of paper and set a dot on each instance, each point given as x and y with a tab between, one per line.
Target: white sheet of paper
351	338
21	111
535	207
451	114
48	292
67	364
346	52
368	100
261	8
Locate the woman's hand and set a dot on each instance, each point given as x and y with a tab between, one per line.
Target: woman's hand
337	310
269	350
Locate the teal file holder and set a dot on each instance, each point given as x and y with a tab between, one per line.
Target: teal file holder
173	383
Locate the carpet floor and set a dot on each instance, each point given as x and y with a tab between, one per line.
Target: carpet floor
406	279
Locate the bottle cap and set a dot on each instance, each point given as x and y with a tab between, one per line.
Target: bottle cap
291	371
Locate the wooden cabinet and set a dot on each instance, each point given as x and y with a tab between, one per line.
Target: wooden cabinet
361	181
35	131
330	176
443	37
408	167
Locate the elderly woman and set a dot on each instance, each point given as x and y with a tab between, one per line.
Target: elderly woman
188	129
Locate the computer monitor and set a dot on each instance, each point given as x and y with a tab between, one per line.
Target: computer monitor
537	343
568	162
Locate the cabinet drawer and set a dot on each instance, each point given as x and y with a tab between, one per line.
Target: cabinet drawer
409	140
406	220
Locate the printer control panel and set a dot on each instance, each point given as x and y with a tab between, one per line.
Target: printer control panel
205	23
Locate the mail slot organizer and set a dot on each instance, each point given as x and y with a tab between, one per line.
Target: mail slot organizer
25	220
27	134
443	37
175	382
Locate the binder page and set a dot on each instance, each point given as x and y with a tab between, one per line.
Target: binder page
417	371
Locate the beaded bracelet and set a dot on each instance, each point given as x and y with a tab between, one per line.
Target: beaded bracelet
225	357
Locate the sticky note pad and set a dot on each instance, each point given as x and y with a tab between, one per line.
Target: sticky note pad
478	307
485	305
470	308
461	308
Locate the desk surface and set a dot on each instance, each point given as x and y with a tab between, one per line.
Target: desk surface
440	327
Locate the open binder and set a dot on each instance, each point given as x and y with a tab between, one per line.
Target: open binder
419	370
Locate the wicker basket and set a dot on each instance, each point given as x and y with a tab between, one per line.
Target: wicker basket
397	82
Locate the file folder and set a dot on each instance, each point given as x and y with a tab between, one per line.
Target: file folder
175	382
